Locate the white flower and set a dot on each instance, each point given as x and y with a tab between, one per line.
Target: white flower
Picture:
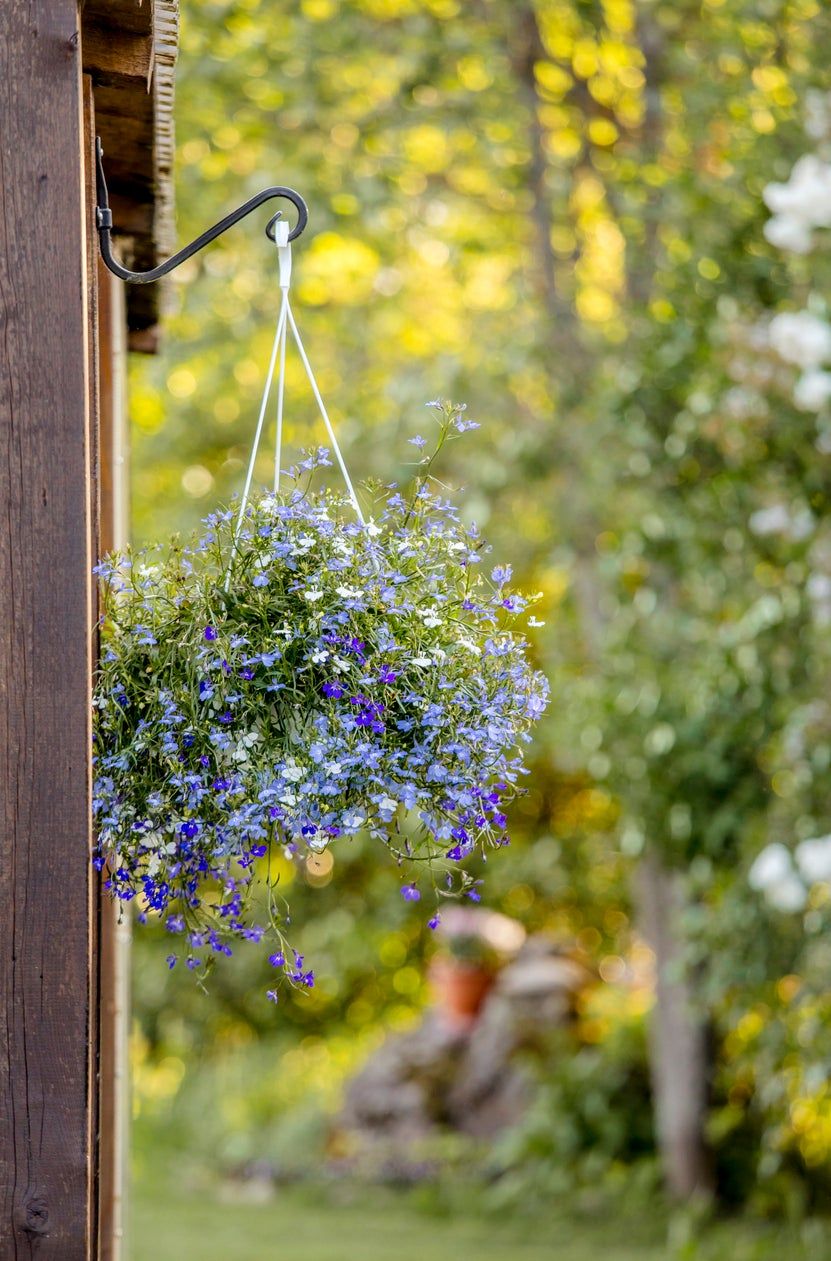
773	520
471	647
788	234
288	799
388	805
817	115
333	768
813	390
304	544
372	529
800	338
349	593
789	895
293	772
421	661
818	587
353	819
245	742
806	195
431	620
320	656
813	858
773	875
533	621
317	842
311	595
770	867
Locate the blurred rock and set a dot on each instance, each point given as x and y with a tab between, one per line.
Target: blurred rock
442	1077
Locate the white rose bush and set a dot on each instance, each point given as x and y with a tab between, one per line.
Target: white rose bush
294	681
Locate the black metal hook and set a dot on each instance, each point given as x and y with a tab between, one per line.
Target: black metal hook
104	224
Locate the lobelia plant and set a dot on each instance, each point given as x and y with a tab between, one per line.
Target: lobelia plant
293	680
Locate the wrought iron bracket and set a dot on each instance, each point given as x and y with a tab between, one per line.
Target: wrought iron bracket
104	224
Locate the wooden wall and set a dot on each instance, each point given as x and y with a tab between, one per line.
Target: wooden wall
48	915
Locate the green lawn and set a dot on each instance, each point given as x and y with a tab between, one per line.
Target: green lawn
343	1223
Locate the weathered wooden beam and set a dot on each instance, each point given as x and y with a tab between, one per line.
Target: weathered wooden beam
47	1033
118	58
136	16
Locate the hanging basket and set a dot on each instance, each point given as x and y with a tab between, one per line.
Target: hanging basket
298	675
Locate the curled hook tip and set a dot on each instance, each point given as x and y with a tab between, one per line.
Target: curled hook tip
269	227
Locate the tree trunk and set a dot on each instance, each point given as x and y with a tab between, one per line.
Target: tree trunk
678	1036
678	1042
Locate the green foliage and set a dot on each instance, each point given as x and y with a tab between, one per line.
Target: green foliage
590	1121
553	210
175	1217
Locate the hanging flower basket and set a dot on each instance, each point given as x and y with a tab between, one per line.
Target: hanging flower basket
295	677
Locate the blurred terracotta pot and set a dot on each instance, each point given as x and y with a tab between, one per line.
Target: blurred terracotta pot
460	988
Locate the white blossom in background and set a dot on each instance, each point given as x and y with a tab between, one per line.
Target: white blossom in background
818	115
800	205
778	519
818	587
773	875
789	234
813	858
800	338
813	390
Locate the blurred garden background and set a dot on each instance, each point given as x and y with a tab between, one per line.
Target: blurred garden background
603	225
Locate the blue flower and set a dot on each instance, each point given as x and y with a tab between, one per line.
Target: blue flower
197	774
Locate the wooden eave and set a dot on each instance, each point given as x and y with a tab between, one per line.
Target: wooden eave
129	51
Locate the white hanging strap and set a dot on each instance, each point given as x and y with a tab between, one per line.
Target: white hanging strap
284	255
278	336
327	422
286	318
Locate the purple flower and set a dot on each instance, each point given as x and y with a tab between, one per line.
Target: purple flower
417	441
171	961
272	996
453	728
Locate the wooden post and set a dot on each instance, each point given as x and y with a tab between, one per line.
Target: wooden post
114	937
47	905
